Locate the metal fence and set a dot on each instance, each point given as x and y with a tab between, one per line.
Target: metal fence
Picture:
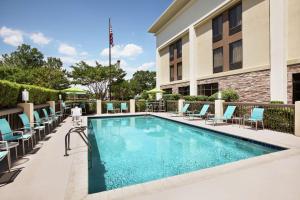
171	106
277	117
12	116
88	106
195	106
116	105
141	106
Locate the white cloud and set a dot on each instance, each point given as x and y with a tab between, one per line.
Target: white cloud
84	53
67	49
147	66
68	60
39	38
11	36
125	51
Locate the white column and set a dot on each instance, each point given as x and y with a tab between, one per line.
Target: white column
132	105
278	51
158	95
193	64
99	107
51	105
28	109
297	118
180	104
219	110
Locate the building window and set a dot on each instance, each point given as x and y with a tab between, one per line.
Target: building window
171	50
172	73
168	91
236	55
179	48
235	19
184	91
208	89
179	71
218	60
217	28
176	60
228	49
296	87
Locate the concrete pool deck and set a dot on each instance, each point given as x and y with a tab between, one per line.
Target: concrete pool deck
50	175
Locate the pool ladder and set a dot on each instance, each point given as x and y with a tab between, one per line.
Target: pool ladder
80	131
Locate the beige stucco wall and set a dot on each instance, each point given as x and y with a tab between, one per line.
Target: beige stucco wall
185	58
204	49
294	30
256	39
164	66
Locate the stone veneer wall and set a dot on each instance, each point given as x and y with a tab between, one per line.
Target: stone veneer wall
251	87
175	86
292	69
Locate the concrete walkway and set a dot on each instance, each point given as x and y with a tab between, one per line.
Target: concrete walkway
45	174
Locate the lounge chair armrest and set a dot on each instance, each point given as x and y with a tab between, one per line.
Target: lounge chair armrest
5	144
18	132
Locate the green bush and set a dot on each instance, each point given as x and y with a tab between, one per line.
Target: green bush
140	105
229	95
276	102
171	97
11	94
196	98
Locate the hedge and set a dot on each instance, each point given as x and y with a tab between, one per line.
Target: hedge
11	94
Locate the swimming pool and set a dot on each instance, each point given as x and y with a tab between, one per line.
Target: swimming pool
136	149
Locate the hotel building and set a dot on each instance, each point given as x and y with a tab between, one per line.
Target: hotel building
252	46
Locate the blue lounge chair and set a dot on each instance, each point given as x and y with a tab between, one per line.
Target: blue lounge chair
64	108
57	116
47	119
257	115
27	126
9	135
202	113
110	107
124	107
227	115
182	112
5	153
40	122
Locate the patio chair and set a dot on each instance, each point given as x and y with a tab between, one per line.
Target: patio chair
10	135
83	108
56	115
41	122
124	107
202	113
182	112
47	119
27	126
257	115
5	153
65	108
110	107
227	115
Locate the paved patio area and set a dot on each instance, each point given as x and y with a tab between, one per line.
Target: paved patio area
47	174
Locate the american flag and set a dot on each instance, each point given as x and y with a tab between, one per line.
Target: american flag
111	36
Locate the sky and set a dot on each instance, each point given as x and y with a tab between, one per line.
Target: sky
76	30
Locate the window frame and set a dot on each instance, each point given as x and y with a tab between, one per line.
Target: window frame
219	36
236	28
201	89
218	69
179	77
237	65
172	75
186	90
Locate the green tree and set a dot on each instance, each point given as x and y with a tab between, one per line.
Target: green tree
27	65
123	90
97	78
143	80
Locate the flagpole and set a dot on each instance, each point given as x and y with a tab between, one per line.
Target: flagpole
109	44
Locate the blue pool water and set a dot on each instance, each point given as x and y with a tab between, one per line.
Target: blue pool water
131	150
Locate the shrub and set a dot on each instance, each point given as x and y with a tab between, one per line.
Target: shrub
11	94
229	95
140	105
196	98
171	97
276	102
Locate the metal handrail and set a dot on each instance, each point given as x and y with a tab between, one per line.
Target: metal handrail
80	132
